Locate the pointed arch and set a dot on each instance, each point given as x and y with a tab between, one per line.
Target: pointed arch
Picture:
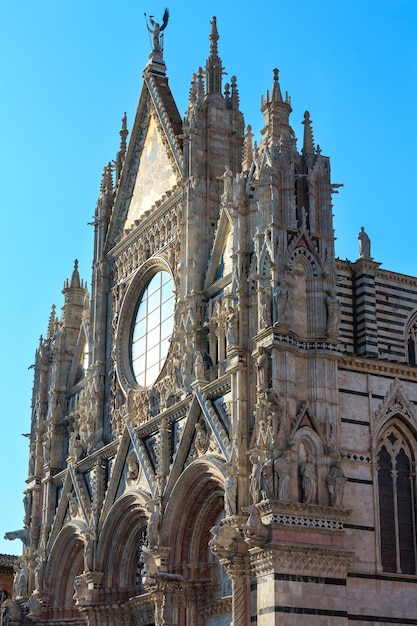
310	472
66	561
396	486
195	506
190	516
396	403
119	540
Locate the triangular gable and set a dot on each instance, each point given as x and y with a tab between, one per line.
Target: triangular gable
302	244
129	442
306	419
201	409
61	509
154	161
155	175
220	265
395	403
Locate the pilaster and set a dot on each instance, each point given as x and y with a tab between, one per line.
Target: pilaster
364	306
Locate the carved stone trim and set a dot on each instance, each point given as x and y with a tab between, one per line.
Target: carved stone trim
219	607
301	561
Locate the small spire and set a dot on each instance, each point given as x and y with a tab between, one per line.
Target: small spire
214	69
214	38
103	181
109	178
75	278
247	149
235	94
276	89
200	83
120	156
51	323
227	96
123	134
193	88
308	144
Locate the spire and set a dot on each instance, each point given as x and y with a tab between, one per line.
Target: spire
75	278
308	144
214	68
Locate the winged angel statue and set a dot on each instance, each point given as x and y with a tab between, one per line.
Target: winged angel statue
157	29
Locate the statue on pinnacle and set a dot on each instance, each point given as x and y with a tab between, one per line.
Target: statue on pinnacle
156	30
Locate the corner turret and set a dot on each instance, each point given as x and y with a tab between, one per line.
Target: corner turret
276	114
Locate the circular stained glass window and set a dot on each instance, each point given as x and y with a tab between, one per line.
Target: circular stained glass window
152	328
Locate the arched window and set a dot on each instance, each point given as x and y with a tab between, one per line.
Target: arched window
397	512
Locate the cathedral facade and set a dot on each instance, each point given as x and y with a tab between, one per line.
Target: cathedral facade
224	429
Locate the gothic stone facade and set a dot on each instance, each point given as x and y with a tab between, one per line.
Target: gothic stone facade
224	431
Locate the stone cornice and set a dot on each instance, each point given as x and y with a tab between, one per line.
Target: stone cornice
381	274
386	368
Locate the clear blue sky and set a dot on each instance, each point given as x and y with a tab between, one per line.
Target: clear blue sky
69	70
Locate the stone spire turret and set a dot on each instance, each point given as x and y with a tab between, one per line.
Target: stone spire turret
214	68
